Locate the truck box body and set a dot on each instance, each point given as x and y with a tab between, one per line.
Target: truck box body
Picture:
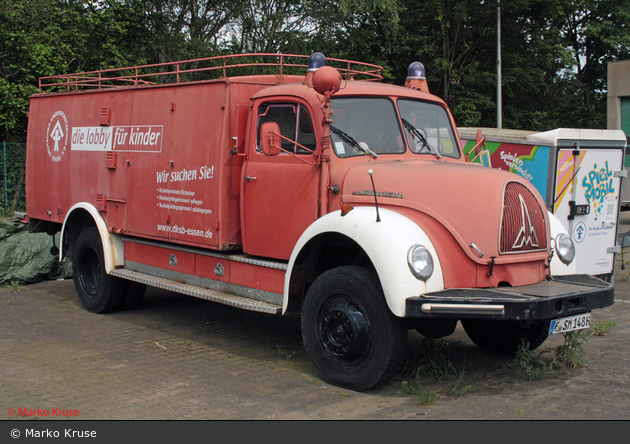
165	149
345	199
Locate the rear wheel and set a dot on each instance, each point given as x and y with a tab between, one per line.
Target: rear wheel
505	336
99	292
351	336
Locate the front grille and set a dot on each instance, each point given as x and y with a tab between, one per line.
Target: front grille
522	222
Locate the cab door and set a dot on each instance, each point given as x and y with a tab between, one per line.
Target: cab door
280	191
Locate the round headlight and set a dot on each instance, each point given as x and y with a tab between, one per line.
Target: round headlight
565	248
420	262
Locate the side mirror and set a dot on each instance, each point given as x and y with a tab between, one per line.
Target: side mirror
270	138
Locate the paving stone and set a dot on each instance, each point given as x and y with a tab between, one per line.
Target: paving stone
180	358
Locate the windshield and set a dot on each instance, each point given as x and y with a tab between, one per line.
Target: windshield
370	126
428	128
365	125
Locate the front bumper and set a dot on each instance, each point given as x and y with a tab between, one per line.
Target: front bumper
554	297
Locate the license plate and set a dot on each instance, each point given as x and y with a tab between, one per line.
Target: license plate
570	323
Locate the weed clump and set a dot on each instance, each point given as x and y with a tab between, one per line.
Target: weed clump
15	287
416	389
571	353
431	363
538	365
430	360
601	328
530	364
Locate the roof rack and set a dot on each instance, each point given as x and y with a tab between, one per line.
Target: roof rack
202	69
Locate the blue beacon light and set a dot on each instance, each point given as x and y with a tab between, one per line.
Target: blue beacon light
416	71
416	77
316	61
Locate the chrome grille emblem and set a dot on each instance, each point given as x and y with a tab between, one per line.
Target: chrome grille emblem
523	227
527	234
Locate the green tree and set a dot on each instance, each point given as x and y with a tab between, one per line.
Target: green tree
31	47
596	32
363	30
189	29
51	37
534	57
106	34
554	51
454	39
269	26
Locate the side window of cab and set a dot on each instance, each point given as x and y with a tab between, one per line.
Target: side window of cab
295	125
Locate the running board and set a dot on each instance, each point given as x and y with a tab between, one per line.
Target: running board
198	292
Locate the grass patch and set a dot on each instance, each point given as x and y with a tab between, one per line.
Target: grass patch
460	387
530	364
430	365
417	389
430	360
15	287
519	411
289	355
602	328
428	372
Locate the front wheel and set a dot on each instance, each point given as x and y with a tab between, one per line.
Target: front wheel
505	336
99	292
349	333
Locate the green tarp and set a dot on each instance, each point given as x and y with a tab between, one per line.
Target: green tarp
25	257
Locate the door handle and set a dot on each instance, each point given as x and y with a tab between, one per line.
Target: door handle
248	178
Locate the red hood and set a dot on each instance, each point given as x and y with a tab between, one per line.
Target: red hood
466	199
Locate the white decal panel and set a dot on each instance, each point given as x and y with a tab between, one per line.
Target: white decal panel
144	138
585	178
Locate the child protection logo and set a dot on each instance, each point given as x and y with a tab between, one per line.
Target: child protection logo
57	136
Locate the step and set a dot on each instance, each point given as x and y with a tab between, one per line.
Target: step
198	292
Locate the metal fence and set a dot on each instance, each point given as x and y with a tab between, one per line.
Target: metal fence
12	178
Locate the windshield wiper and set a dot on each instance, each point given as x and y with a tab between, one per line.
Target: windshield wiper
413	130
350	140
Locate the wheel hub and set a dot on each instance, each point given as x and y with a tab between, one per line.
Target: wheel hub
90	271
344	330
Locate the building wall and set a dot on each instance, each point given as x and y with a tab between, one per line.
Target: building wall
619	113
619	96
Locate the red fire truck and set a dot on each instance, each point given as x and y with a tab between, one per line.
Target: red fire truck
323	191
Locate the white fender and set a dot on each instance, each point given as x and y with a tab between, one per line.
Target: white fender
559	268
113	246
386	243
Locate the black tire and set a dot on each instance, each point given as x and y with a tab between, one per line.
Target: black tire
133	294
350	335
435	328
98	291
505	336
